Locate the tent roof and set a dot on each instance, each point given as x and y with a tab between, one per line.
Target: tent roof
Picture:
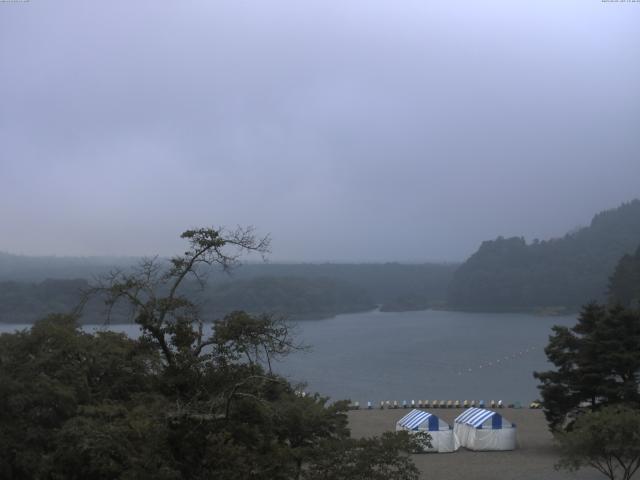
476	416
414	419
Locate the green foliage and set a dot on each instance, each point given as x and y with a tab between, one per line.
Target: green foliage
624	284
177	403
49	374
76	406
366	459
597	363
558	274
608	440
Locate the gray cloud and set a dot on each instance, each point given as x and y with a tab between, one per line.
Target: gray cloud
363	130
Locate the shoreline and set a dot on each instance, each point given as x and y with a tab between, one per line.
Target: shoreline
534	459
378	308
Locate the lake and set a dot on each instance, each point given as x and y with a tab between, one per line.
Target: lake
424	355
417	355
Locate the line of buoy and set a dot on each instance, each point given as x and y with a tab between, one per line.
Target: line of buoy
404	404
395	404
498	361
493	404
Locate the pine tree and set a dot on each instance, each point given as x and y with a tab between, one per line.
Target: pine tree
624	284
597	363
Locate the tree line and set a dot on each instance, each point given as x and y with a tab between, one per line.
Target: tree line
506	274
302	291
295	298
555	275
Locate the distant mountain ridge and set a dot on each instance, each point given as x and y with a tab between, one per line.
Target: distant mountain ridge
506	274
31	287
553	275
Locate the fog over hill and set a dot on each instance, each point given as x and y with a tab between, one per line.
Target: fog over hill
31	287
506	274
556	274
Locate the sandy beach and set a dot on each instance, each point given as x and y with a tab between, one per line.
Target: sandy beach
533	460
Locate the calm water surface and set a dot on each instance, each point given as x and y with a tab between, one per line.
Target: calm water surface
424	355
417	355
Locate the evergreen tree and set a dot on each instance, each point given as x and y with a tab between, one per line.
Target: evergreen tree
597	363
607	440
557	274
624	284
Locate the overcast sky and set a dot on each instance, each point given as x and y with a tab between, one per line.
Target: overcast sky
349	130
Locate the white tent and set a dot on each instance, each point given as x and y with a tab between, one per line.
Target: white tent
481	429
421	421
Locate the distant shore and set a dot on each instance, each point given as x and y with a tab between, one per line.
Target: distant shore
89	319
539	311
27	320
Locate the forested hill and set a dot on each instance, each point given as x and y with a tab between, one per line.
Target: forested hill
624	285
557	274
300	291
398	286
298	298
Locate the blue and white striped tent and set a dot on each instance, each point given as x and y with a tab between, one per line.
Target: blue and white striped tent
420	421
482	429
